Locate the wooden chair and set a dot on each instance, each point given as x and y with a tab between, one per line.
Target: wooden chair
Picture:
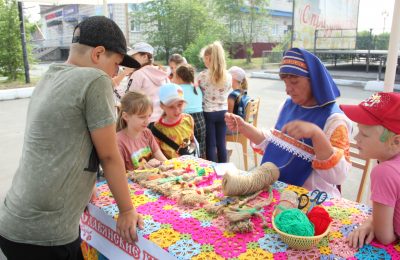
362	164
251	117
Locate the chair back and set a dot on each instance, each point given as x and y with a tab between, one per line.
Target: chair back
252	111
360	163
251	116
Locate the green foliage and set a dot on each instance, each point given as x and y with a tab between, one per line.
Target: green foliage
192	52
172	25
11	61
249	51
382	41
284	45
375	42
256	63
245	19
364	41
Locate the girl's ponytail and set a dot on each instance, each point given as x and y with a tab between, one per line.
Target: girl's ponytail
217	68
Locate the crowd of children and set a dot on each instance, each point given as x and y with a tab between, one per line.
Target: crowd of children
193	121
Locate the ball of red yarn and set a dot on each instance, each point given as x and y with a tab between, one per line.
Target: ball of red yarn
320	218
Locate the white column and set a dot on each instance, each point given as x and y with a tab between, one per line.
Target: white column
393	51
105	8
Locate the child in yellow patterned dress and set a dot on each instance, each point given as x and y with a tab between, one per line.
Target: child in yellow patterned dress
178	127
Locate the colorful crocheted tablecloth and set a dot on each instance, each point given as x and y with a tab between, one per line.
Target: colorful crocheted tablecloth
191	233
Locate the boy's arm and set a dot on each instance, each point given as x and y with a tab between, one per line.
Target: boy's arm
383	223
104	140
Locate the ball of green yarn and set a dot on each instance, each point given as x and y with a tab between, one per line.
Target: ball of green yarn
294	222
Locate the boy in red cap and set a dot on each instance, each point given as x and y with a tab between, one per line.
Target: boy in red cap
378	137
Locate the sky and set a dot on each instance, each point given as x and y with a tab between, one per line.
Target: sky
371	14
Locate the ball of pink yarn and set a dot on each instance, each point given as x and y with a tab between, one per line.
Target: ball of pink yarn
320	218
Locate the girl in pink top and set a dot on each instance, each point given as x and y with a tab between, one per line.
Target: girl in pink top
136	143
149	78
378	138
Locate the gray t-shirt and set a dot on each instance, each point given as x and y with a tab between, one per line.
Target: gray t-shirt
56	172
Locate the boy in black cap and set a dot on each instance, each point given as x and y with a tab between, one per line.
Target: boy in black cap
70	129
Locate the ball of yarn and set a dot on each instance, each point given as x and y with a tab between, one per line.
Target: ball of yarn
320	218
260	179
294	222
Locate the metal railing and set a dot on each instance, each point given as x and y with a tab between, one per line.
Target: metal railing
62	42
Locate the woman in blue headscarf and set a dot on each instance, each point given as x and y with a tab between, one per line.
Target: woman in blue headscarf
310	142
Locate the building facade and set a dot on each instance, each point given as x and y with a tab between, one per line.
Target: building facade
58	23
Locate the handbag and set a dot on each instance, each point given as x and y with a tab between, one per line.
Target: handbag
184	149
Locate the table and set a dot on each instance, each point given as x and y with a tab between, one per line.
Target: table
174	231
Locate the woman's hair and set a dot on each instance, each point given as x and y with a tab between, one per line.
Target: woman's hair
177	58
149	56
151	60
186	73
217	67
133	103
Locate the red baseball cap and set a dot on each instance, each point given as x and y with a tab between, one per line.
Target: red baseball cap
382	108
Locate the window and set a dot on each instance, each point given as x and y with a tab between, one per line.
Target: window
133	10
135	25
275	29
235	27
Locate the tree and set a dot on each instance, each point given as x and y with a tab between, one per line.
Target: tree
11	61
212	33
364	41
382	41
173	24
245	19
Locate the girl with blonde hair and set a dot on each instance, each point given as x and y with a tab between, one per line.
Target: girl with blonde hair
216	84
136	143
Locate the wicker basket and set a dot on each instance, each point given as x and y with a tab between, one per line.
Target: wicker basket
299	242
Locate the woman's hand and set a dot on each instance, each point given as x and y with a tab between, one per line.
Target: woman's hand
361	235
234	122
300	129
128	71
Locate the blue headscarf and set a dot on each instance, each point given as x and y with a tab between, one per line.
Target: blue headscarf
305	64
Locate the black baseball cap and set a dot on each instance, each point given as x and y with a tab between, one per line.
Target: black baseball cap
102	31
